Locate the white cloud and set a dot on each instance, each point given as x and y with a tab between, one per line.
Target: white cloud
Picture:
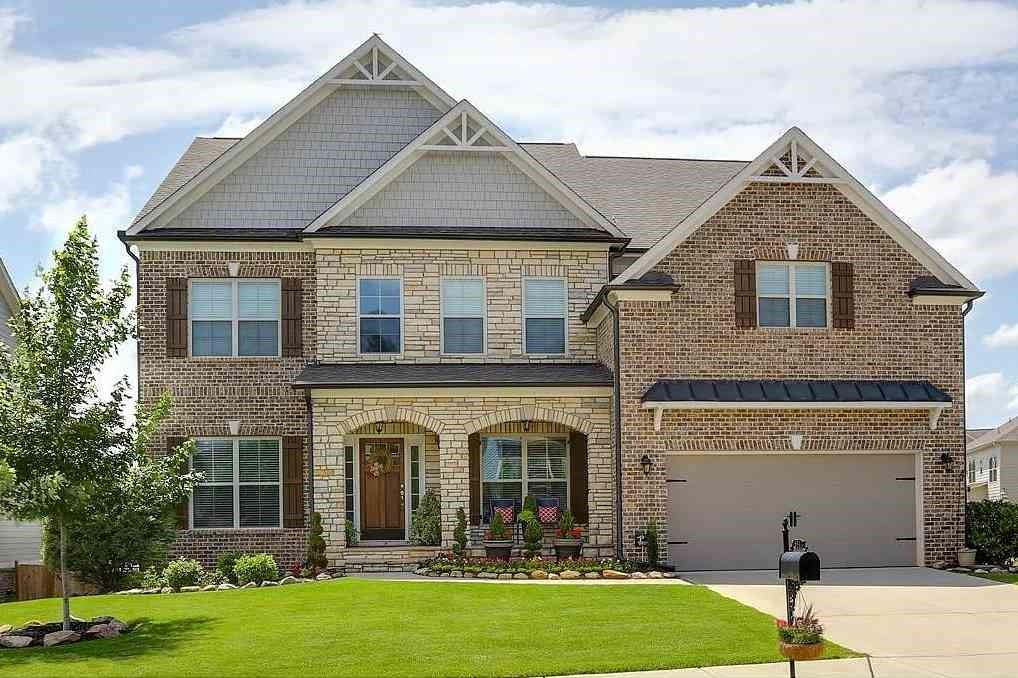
1005	336
28	166
990	399
237	125
968	212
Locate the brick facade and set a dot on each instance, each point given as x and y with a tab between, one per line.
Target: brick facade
695	335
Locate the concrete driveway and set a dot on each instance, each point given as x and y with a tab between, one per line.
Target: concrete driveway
912	621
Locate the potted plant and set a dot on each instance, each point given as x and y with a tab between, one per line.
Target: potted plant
568	538
803	639
966	557
498	543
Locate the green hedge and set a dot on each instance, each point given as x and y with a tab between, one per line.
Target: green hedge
993	531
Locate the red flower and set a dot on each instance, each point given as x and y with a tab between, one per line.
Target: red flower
781	623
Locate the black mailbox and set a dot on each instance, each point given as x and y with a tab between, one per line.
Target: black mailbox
799	566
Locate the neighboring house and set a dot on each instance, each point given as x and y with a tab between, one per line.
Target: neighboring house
992	471
18	541
377	293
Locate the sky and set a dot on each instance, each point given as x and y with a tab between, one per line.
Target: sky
917	98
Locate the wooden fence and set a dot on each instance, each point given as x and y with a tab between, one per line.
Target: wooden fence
37	581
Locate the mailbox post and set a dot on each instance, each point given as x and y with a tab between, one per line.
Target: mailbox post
796	565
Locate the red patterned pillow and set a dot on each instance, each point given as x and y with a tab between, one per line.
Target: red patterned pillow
506	512
548	514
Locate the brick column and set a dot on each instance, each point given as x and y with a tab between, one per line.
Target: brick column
454	467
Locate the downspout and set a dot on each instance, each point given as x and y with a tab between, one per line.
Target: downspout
964	434
617	429
311	449
121	236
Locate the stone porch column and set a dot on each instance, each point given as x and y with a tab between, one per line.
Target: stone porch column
454	468
328	487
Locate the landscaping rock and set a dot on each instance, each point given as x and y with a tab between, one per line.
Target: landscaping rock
151	591
166	589
225	587
210	587
4	628
60	638
997	570
638	575
445	574
132	592
250	585
538	574
569	574
961	570
15	642
655	575
285	581
469	575
421	571
980	570
102	631
670	575
269	582
614	574
592	575
505	575
554	575
323	577
521	575
457	573
190	589
487	575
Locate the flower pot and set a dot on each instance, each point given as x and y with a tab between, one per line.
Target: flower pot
801	653
499	549
966	557
567	548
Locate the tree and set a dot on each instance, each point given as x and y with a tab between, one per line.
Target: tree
459	535
65	442
316	544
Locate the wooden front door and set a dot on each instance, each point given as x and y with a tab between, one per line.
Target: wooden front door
382	489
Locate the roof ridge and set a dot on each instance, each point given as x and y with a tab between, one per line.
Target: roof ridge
650	157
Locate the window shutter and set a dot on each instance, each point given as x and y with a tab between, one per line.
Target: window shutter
183	508
176	317
474	446
843	295
293	481
578	476
745	293
293	297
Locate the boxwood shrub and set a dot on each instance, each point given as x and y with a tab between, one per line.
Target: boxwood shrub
256	568
993	531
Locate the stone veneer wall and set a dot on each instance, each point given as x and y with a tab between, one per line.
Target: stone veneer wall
210	392
453	419
695	336
422	271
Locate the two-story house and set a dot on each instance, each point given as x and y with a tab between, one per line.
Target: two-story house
992	471
377	293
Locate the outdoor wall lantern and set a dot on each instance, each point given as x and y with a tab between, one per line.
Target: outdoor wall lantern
379	426
945	458
646	463
526	426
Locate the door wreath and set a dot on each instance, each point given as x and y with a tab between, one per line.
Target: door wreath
380	461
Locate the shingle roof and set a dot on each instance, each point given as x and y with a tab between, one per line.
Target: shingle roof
1005	433
976	433
645	197
395	375
793	391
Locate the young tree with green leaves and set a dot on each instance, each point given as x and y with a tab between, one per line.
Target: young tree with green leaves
65	442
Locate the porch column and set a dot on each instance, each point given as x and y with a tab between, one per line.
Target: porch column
454	467
329	488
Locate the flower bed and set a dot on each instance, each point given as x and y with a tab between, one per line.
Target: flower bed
36	633
449	565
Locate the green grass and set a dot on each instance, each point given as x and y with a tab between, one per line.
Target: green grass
357	627
1003	577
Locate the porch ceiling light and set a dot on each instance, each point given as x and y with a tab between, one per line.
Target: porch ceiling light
379	426
646	463
526	426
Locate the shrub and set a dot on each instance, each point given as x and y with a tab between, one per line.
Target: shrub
225	564
256	568
533	533
993	531
316	544
180	573
426	526
804	630
459	535
152	578
653	547
530	504
213	578
497	531
352	535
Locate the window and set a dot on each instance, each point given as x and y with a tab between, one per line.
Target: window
514	467
544	315
463	313
972	470
380	316
234	317
791	295
241	486
993	469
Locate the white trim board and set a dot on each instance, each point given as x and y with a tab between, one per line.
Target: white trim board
279	121
466	391
513	152
858	194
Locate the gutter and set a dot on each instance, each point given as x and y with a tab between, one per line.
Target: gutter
617	414
311	450
122	237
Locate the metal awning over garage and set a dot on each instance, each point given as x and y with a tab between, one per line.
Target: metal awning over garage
705	394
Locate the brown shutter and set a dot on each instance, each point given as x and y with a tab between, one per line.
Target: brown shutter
183	508
745	293
293	481
176	317
292	302
578	476
474	447
843	295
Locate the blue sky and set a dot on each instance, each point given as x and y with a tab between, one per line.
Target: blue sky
919	99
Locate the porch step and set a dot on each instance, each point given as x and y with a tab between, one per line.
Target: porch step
394	558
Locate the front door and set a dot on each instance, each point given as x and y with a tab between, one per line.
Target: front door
382	490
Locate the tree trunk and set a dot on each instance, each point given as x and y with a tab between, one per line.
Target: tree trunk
63	576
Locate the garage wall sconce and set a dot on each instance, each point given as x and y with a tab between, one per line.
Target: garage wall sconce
946	459
795	440
646	463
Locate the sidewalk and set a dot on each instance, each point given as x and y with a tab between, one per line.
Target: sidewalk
831	668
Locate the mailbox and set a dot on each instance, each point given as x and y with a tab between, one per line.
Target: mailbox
800	566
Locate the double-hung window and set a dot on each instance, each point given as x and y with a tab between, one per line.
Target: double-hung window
380	315
513	467
545	304
972	470
993	469
242	483
463	315
235	317
792	294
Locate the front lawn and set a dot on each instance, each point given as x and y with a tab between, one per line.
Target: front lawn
353	627
1002	577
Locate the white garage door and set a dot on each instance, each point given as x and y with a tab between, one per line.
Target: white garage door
855	510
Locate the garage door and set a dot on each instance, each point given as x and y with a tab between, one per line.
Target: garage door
725	511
